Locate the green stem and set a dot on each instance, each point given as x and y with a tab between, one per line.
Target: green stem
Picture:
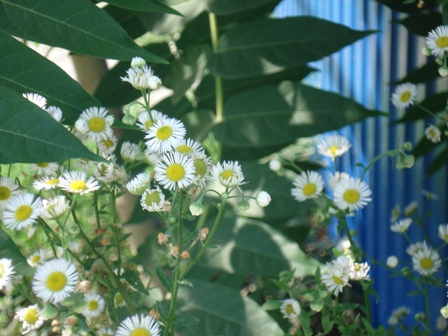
218	81
364	285
375	159
97	213
46	230
169	328
427	307
430	112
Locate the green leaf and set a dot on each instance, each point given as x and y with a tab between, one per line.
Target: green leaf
9	250
144	6
272	305
162	310
435	103
251	247
80	27
439	162
28	134
425	73
79	306
43	77
164	279
422	23
400	6
185	319
278	115
49	311
227	7
134	280
272	45
222	311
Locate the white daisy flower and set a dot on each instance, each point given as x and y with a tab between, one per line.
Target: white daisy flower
107	146
129	151
164	134
21	211
142	78
119	301
426	261
404	95
46	183
333	146
443	232
202	166
433	133
359	271
146	120
55	280
263	199
416	247
6	273
31	318
139	184
335	277
37	258
429	195
308	184
336	177
437	41
229	173
401	226
95	123
395	213
153	200
188	147
410	208
151	158
95	305
55	112
8	189
55	208
77	183
44	168
290	308
106	332
398	315
138	325
36	99
352	194
174	170
392	261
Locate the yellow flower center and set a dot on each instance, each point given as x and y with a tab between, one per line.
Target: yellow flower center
333	150
78	185
97	124
56	281
445	237
35	259
351	196
227	174
140	332
164	132
23	212
119	299
426	263
31	316
337	280
200	167
92	305
52	181
5	193
108	143
153	197
148	124
405	96
42	164
289	309
2	270
442	42
309	189
184	149
175	172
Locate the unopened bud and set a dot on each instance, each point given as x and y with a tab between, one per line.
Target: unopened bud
444	311
426	51
138	62
224	196
392	261
84	286
439	61
185	255
263	199
407	146
154	82
154	314
275	165
443	71
71	320
197	208
54	323
129	119
243	205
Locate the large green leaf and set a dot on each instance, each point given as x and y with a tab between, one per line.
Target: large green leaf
439	162
234	6
272	45
78	26
223	311
28	134
42	77
435	103
274	115
422	23
425	73
248	246
144	6
9	250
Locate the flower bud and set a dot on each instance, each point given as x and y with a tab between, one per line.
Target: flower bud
185	255
444	311
154	82
420	317
443	71
243	205
263	199
224	196
129	119
392	261
138	62
439	61
426	51
407	146
275	165
197	208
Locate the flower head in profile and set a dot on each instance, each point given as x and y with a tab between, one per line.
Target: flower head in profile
228	174
401	226
44	168
54	208
164	134
95	124
95	305
36	99
395	213
443	232
55	280
139	184
153	200
8	189
307	185
404	95
290	308
6	273
21	211
333	146
202	167
426	261
352	194
138	325
433	133
77	183
437	40
129	151
46	183
37	258
174	170
30	317
263	199
398	315
141	77
146	120
55	112
189	147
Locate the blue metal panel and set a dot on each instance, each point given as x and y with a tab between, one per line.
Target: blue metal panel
363	72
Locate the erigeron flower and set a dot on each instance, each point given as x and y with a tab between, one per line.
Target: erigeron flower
6	273
290	308
392	261
55	112
139	184
151	158
129	151
352	194
335	278
441	323
437	40
54	208
426	261
119	301
107	146
77	183
142	78
336	177
398	315
275	165
174	170
395	213
404	95
401	226
8	189
433	133
153	200
95	305
188	147
21	211
443	232
55	280
359	271
333	146
308	184
37	258
416	247
429	195
30	317
410	208
263	199
36	99
46	183
95	123
202	166
146	120
138	325
228	174
44	168
164	134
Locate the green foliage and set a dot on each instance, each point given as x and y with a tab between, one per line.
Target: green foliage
8	249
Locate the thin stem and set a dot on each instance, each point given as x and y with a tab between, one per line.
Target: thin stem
218	81
375	159
95	206
430	112
169	323
427	307
364	285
